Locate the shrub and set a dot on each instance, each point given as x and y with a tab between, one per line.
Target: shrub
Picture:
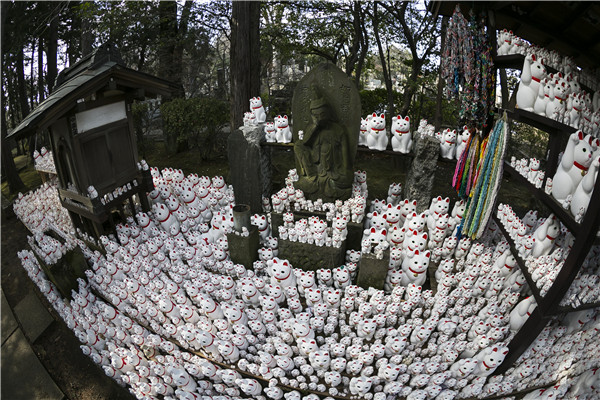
196	121
376	101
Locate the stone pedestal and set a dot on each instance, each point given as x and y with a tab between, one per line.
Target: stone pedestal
310	257
372	272
419	181
355	230
249	166
65	272
244	250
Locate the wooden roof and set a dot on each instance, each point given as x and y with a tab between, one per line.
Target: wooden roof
101	69
572	28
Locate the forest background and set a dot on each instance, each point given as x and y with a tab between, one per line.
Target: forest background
221	53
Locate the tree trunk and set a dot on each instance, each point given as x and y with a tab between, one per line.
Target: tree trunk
363	53
22	85
51	53
244	58
31	85
41	92
364	45
182	30
9	170
87	36
167	11
354	50
142	59
384	66
167	37
411	85
440	85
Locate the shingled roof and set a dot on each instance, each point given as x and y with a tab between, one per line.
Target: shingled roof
92	73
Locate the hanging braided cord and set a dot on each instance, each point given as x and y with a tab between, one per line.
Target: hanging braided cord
479	205
461	163
479	164
467	68
498	169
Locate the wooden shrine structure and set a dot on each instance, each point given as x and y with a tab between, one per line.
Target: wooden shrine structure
89	120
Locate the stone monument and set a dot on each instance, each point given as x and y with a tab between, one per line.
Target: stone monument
326	111
249	166
419	180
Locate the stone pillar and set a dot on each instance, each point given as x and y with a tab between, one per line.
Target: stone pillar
244	250
419	180
249	166
372	271
355	230
310	257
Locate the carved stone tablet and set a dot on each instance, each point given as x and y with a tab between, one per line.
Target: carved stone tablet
326	111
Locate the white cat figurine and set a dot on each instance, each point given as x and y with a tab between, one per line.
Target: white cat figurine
448	144
270	132
531	76
574	164
414	267
377	138
256	106
364	129
583	193
401	134
284	134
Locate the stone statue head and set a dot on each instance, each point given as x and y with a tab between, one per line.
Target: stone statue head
320	110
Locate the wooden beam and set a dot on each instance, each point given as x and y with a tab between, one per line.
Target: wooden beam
577	255
534	325
580	10
581	50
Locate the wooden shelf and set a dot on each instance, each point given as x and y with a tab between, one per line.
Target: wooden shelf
534	290
538	121
532	285
278	145
515	61
563	215
568	309
45	171
363	149
510	61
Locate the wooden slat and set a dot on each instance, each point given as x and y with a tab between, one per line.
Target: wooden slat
563	215
530	282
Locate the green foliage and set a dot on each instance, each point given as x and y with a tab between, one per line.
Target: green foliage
527	141
198	121
376	101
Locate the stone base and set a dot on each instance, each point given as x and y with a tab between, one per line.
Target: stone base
310	257
244	250
355	230
372	272
65	272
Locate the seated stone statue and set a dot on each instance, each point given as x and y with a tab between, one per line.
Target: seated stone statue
322	155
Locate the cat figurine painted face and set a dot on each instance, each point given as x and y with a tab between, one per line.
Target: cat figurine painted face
359	386
388	372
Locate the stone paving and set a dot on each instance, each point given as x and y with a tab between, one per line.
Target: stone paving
23	375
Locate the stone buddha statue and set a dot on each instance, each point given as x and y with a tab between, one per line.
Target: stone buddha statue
322	153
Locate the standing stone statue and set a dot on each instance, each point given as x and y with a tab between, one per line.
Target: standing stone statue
326	110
